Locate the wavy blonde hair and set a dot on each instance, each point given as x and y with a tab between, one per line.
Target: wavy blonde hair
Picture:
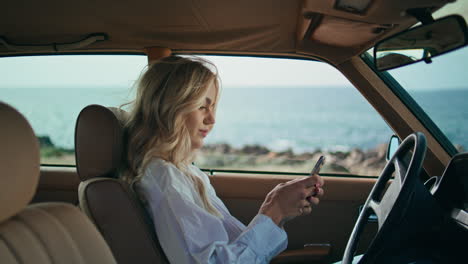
170	89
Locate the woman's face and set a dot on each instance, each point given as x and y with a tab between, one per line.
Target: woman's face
200	122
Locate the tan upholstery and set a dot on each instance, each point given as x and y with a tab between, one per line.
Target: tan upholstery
107	200
39	233
269	27
52	233
19	162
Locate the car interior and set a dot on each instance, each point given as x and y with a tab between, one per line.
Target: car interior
414	211
50	232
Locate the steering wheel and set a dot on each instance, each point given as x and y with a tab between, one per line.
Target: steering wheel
391	204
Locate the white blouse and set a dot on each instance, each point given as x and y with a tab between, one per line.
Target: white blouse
189	234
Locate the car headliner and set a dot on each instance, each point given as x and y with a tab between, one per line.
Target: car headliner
263	27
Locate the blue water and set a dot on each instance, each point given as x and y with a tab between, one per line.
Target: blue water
279	118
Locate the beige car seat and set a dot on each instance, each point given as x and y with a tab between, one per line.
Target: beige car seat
43	232
107	200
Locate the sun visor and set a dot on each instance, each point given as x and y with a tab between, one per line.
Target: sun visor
342	32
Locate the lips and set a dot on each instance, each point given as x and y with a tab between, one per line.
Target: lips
204	132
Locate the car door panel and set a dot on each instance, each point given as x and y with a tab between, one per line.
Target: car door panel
325	231
328	226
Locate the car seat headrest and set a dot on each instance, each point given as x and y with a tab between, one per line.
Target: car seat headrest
99	141
19	162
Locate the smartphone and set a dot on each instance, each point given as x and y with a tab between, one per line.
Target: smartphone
316	170
318	165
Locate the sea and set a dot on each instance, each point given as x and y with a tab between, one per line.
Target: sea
301	119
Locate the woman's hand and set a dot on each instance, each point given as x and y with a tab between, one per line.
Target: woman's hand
293	198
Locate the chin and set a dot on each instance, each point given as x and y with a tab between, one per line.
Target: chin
197	145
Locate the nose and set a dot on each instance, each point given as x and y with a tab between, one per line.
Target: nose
209	118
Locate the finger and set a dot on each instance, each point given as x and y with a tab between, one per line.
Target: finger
312	180
297	179
279	185
320	181
300	211
307	210
312	191
304	203
317	192
320	192
313	200
316	179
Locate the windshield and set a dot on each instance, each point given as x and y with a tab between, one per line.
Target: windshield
441	89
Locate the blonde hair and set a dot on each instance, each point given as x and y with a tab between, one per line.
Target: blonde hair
170	89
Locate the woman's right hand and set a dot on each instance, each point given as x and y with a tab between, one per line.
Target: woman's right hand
293	198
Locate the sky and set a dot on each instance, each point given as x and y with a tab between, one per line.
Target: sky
236	72
111	71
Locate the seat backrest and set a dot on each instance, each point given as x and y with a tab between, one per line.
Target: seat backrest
38	233
107	200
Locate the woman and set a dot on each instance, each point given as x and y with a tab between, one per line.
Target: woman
173	112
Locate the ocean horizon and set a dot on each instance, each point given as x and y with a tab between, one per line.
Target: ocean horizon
299	119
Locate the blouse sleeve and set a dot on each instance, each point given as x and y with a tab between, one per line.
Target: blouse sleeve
189	234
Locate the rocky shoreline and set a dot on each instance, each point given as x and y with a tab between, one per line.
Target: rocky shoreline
256	157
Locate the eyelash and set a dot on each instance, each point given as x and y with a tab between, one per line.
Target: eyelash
206	107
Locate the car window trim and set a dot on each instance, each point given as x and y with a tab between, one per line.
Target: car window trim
213	172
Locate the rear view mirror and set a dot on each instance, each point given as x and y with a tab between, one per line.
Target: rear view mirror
421	43
392	146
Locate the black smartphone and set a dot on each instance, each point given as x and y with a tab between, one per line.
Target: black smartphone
318	165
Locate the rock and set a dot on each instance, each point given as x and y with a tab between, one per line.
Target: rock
44	141
266	159
257	157
219	148
210	161
247	160
294	162
333	167
356	156
255	149
340	154
287	154
271	155
460	148
382	150
223	148
305	156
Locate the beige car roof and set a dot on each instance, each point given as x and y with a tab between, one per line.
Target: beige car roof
327	29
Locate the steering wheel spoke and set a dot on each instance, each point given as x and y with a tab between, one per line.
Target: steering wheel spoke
383	208
388	202
375	206
400	171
